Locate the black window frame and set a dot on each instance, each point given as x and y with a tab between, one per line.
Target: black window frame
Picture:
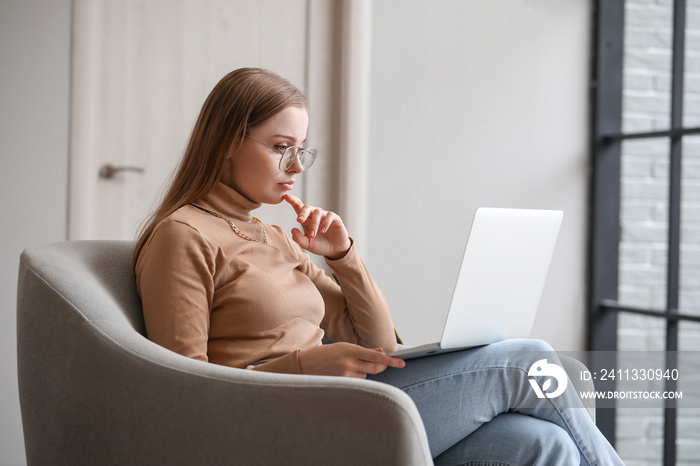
606	146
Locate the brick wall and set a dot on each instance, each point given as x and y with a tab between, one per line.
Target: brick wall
644	215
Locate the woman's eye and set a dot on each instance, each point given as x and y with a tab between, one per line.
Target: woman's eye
281	148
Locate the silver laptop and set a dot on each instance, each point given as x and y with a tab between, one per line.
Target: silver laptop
500	281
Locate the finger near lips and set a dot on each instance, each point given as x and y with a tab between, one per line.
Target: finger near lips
302	210
293	201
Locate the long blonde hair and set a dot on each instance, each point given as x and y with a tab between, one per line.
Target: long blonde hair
242	100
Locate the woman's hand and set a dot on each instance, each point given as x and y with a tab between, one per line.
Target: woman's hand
324	232
347	360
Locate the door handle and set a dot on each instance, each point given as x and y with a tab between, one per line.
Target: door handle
108	171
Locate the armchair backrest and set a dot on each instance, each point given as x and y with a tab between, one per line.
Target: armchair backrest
92	275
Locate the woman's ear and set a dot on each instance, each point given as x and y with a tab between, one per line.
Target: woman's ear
229	157
231	152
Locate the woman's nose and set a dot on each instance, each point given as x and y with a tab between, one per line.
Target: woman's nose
296	166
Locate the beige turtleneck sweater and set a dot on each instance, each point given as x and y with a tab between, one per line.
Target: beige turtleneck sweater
211	295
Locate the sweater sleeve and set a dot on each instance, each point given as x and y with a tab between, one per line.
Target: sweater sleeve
174	276
356	310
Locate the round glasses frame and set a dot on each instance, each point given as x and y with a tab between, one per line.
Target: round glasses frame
289	154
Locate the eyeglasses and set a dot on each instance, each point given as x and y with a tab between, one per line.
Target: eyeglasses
307	156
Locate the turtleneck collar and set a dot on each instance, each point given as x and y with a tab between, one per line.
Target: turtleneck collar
229	203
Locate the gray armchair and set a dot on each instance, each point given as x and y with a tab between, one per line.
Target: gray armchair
94	390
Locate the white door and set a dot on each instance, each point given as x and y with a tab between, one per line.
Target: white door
143	68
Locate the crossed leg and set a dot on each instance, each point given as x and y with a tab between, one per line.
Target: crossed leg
458	393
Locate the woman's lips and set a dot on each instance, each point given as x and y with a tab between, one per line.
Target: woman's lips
287	186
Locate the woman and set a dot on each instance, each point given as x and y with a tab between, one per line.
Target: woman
219	285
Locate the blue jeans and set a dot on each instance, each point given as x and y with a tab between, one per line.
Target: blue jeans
479	408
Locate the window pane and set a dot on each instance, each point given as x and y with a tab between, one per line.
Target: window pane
689	340
640	426
639	435
691	84
640	430
636	332
688	426
690	227
644	223
647	65
688	422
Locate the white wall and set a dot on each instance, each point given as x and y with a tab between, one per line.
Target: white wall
476	103
34	95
